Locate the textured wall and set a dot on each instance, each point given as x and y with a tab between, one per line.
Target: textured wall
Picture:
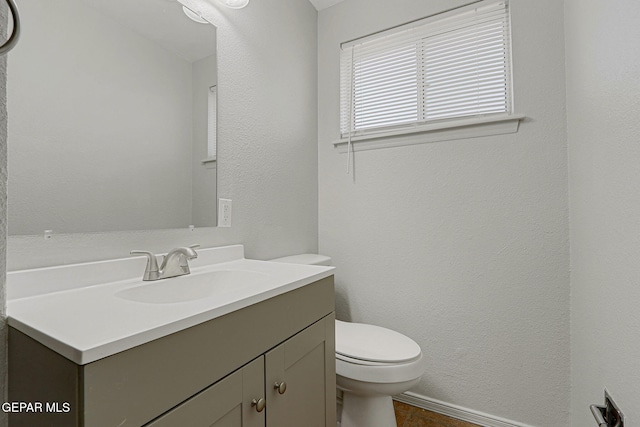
267	145
603	93
461	245
3	215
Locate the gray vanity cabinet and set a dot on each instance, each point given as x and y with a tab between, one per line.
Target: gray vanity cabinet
206	375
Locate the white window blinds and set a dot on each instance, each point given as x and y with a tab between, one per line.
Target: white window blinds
448	66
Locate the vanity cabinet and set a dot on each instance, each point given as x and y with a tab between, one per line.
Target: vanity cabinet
206	375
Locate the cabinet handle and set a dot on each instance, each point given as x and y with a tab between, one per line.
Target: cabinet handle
281	387
259	404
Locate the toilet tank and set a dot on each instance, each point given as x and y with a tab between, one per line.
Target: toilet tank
309	259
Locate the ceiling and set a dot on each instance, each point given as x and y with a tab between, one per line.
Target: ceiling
323	4
163	23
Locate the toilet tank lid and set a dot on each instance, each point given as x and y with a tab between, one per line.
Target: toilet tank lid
308	259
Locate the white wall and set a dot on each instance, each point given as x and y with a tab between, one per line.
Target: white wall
267	68
461	245
603	89
101	139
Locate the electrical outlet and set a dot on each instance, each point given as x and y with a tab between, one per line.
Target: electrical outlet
224	213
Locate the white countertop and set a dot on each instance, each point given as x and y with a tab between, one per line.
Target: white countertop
66	310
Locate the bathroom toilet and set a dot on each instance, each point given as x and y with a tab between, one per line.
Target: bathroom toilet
372	364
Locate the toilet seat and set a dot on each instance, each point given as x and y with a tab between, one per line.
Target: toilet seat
375	354
373	345
384	373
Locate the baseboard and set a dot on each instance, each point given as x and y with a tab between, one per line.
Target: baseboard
455	411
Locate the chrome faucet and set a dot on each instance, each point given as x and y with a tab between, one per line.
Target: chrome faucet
175	263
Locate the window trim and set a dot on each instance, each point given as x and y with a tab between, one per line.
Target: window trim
434	130
445	130
212	124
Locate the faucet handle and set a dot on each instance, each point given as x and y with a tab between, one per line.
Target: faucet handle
184	261
152	262
184	258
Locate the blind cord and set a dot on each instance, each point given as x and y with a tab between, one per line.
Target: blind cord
15	34
349	148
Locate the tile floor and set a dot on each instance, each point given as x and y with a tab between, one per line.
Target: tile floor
410	416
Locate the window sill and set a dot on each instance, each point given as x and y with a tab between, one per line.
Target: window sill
444	131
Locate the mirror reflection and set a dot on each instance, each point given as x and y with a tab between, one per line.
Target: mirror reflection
113	118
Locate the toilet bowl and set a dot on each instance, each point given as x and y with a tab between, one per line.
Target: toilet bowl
372	364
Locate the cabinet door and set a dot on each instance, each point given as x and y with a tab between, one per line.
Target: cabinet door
227	403
306	364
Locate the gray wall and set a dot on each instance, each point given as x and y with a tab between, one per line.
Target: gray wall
267	68
461	245
603	89
101	125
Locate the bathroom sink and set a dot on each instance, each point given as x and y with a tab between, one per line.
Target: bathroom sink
192	287
66	307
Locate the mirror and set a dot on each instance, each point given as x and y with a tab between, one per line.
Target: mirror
112	125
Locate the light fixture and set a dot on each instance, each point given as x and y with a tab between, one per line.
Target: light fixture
235	4
194	16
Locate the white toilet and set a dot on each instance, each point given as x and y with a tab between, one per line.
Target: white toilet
372	364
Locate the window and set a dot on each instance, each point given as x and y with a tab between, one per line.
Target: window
212	123
452	66
212	128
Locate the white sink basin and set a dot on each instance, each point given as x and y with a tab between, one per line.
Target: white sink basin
192	287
